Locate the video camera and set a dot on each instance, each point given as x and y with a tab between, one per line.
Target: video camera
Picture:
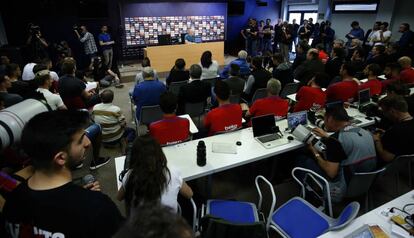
76	28
33	29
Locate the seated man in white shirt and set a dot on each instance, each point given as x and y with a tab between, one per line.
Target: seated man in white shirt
44	81
111	120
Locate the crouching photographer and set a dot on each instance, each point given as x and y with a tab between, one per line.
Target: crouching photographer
337	156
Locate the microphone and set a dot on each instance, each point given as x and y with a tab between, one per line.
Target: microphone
88	179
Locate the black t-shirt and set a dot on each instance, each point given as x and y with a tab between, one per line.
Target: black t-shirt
100	72
67	211
268	35
334	150
399	138
249	30
70	87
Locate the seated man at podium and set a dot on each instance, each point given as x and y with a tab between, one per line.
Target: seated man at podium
190	37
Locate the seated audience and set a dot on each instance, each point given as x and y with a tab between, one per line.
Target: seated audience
258	79
49	204
194	92
147	93
178	73
392	71
355	44
111	119
73	90
139	78
210	67
396	140
407	72
104	75
358	61
4	60
241	62
235	83
348	150
44	81
310	67
149	180
282	70
401	89
323	56
347	89
153	221
226	117
20	87
378	56
9	99
372	71
333	66
312	96
392	52
171	129
272	104
28	71
48	63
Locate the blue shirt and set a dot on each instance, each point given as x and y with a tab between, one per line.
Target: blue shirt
357	33
190	38
242	63
105	37
147	93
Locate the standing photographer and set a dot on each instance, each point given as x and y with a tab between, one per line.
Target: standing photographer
348	150
88	42
36	44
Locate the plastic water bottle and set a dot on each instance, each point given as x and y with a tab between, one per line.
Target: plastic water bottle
201	153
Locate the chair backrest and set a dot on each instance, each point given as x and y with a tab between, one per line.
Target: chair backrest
298	171
212	227
273	195
289	88
150	114
360	183
399	163
235	98
176	86
194	109
260	93
347	215
211	81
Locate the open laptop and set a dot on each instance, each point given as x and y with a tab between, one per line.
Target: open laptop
364	97
266	132
296	118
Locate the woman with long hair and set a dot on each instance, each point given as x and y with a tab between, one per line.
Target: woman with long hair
209	66
148	179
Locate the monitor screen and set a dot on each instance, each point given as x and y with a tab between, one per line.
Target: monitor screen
263	125
294	119
364	96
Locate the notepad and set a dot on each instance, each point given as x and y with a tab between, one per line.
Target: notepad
225	148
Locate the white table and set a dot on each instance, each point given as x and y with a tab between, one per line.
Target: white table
375	217
193	127
183	156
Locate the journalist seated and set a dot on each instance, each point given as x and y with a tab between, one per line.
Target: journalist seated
396	140
348	150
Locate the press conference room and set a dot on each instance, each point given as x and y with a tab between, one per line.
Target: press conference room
228	118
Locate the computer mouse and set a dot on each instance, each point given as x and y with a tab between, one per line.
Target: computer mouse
290	138
238	143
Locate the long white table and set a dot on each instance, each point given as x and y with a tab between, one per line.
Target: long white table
378	216
183	156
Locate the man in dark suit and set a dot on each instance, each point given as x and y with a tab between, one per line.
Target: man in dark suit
310	67
378	56
194	92
333	66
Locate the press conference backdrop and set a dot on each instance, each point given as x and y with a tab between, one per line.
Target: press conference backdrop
143	22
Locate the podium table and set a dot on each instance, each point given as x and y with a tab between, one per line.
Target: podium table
163	57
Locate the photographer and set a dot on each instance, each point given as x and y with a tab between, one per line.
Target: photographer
396	140
88	42
348	150
36	44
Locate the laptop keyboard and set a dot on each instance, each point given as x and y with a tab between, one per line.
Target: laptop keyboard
268	138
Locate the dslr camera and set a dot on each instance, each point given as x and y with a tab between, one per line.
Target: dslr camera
33	29
303	134
76	28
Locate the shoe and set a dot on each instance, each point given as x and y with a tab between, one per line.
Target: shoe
79	166
101	162
119	85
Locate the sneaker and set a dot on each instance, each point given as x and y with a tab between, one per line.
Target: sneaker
97	164
119	85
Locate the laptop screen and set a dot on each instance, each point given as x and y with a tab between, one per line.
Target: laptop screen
263	125
294	119
364	96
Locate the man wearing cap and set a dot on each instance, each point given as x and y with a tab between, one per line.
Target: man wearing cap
348	150
148	92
